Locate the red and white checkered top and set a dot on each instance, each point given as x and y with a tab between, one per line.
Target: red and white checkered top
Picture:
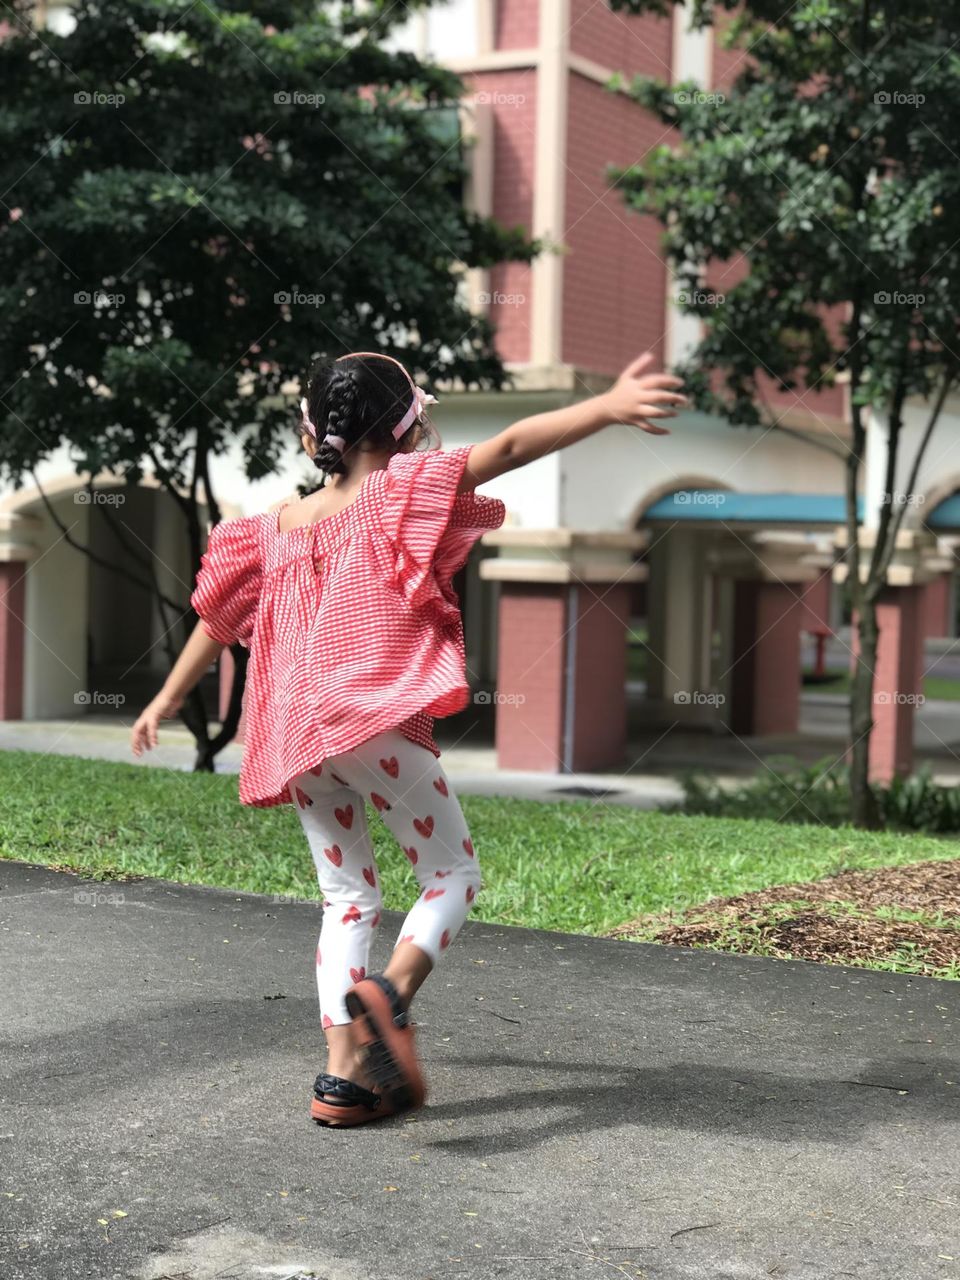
352	623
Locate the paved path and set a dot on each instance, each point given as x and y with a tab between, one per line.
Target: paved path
655	760
598	1108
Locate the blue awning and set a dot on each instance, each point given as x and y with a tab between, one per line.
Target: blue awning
725	506
945	515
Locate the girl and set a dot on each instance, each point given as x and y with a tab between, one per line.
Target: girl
345	601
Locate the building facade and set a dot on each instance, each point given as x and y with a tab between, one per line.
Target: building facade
619	530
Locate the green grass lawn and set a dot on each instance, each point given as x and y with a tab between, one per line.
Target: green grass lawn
572	866
936	688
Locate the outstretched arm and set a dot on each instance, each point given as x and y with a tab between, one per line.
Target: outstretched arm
638	398
196	657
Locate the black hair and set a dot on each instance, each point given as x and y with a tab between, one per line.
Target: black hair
361	398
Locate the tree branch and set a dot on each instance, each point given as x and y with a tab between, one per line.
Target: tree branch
935	412
68	537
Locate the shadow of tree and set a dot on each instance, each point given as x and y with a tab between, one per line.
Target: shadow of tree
703	1097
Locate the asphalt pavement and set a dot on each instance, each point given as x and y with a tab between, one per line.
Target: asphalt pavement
597	1108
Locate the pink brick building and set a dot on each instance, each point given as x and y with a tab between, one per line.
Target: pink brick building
674	535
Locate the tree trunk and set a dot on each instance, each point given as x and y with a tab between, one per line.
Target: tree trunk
864	810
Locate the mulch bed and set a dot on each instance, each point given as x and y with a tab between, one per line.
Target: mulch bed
808	921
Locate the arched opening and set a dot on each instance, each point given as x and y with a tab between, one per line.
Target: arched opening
96	639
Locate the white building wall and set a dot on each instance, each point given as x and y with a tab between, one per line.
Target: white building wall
609	478
55	648
449	30
940	472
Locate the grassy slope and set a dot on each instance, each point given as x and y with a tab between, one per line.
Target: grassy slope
572	866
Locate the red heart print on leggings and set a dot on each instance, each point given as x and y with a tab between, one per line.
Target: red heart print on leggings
344	816
375	921
424	827
433	893
352	913
370	876
303	800
319	959
468	847
358	975
335	855
390	766
327	1021
317	770
471	893
378	802
444	939
441	785
407	937
411	854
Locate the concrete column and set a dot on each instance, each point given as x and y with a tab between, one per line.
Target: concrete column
12	604
817	602
562	646
765	668
898	674
937	606
16	551
679	616
898	682
766	578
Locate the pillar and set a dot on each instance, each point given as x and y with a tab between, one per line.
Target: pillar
897	681
766	578
18	548
764	681
898	674
937	604
679	617
562	647
13	577
818	603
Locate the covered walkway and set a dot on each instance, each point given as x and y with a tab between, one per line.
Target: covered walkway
733	589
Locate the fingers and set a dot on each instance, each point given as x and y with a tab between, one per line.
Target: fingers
653	430
637	368
664	397
143	736
646	410
661	381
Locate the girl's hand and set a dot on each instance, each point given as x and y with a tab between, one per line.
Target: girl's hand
143	736
639	395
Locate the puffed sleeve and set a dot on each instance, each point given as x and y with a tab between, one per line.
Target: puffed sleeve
228	585
433	528
472	516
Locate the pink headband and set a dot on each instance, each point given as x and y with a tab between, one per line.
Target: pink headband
420	401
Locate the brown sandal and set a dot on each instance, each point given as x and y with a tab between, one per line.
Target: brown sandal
384	1035
340	1103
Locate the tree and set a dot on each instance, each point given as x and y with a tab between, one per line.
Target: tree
828	166
199	199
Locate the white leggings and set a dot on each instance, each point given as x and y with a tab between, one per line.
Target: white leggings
406	784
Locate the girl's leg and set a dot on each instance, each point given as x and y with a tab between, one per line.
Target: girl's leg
335	824
407	784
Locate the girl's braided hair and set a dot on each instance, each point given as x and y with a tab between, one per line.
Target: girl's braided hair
361	399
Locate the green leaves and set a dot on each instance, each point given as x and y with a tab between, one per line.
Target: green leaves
829	167
171	172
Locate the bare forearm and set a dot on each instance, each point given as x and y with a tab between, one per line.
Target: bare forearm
544	433
195	659
637	398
